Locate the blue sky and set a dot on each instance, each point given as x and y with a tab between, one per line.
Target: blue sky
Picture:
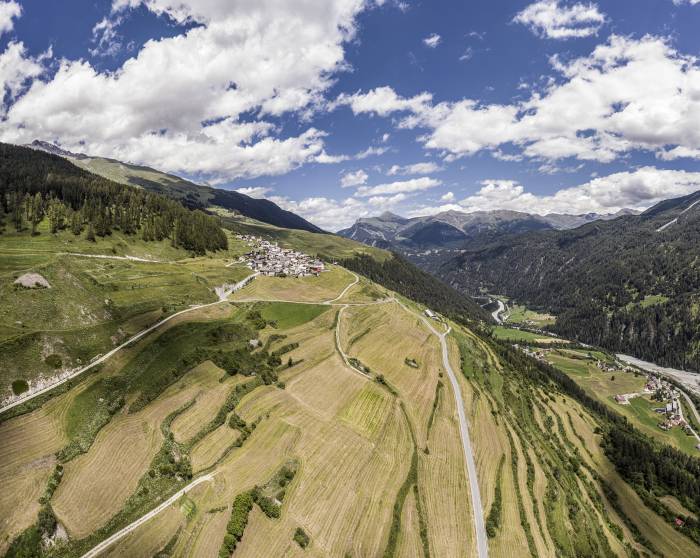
339	109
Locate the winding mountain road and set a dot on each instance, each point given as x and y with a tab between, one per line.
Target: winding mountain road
497	313
674	221
105	544
223	295
479	526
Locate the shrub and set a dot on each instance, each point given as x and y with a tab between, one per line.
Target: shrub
54	361
301	538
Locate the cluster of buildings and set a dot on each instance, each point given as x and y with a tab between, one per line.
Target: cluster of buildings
534	352
268	258
611	366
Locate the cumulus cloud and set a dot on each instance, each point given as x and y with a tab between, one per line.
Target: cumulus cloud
432	40
402	186
382	101
552	19
416	168
355	178
255	191
177	104
603	106
9	10
448	197
16	70
637	189
333	215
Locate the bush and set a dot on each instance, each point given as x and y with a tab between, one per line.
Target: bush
54	361
301	538
240	510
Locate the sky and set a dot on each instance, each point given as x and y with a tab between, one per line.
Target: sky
342	109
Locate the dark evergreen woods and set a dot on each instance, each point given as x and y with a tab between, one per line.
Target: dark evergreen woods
35	185
399	275
618	284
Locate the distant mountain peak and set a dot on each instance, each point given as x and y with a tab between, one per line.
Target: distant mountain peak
52	148
389	216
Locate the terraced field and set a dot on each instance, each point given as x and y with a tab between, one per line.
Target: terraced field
346	384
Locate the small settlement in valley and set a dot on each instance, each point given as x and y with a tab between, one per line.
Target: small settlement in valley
267	258
665	396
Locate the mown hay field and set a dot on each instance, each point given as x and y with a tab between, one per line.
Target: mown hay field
326	286
95	485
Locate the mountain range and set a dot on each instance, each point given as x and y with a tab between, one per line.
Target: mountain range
629	284
195	196
451	229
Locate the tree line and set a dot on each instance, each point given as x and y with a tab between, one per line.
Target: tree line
35	186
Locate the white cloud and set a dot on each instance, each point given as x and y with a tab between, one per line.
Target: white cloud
17	69
552	19
603	106
9	10
383	101
333	215
356	178
416	168
255	191
468	55
385	138
177	103
105	37
637	189
448	197
371	152
403	186
432	40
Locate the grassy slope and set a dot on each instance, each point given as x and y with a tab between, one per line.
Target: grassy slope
353	439
93	303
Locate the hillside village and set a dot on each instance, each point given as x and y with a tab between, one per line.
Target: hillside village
268	258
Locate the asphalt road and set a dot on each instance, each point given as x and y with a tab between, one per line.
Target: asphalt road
479	526
105	544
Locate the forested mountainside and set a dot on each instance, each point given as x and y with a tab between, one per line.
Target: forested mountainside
630	285
193	195
34	185
399	275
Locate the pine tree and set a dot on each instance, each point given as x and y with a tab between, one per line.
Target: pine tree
76	223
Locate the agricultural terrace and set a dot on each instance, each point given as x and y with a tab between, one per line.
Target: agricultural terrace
604	385
192	399
93	303
547	487
262	392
